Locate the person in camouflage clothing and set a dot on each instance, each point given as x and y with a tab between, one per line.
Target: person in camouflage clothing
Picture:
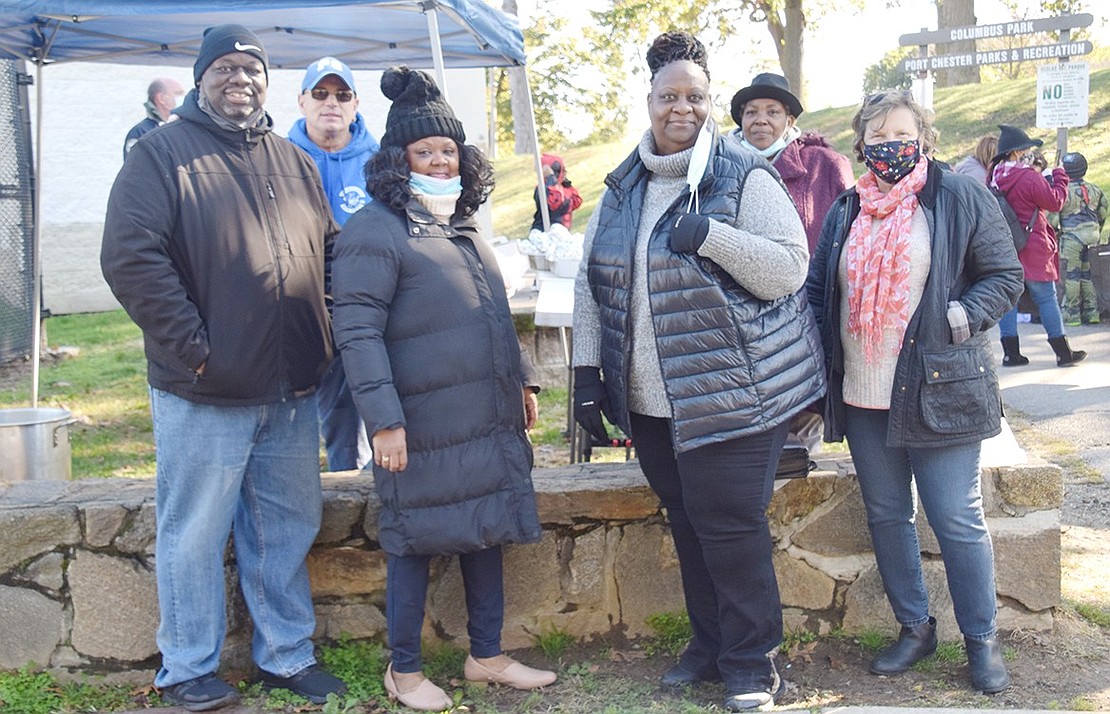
1080	226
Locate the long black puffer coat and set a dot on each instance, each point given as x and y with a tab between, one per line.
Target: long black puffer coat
428	343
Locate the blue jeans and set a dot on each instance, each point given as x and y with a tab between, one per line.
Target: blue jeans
947	481
407	589
342	429
255	468
1044	297
716	498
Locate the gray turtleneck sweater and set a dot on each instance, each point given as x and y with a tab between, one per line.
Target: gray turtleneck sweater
766	252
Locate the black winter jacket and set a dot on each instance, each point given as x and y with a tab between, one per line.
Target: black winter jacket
944	394
214	243
732	364
428	343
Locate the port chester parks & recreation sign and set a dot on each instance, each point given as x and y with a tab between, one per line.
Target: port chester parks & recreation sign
1000	56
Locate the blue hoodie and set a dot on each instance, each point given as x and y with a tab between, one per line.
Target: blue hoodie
341	171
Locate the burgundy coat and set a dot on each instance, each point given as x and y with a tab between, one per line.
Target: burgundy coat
814	174
1027	190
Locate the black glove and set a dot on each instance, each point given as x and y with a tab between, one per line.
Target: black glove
567	183
688	232
589	400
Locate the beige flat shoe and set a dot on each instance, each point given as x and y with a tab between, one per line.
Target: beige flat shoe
516	675
427	697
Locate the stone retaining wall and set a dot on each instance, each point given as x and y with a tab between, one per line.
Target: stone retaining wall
77	586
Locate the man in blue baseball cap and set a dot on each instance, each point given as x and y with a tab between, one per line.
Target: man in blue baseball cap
333	133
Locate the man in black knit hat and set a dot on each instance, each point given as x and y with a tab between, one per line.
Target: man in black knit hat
214	243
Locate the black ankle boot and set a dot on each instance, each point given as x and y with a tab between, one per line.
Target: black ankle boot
914	644
1065	355
986	666
1012	357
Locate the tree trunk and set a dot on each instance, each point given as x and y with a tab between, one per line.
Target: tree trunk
794	46
956	13
788	38
524	134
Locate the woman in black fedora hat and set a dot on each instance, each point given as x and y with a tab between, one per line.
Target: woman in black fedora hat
1031	196
766	114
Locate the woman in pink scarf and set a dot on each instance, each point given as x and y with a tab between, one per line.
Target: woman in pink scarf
912	269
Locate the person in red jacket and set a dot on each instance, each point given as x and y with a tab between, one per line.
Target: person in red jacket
1028	193
563	198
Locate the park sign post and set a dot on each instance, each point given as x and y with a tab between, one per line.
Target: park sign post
1002	29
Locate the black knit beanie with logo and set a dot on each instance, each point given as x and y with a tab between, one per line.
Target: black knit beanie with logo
222	40
418	110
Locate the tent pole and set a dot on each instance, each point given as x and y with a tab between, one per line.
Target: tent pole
36	243
540	185
437	50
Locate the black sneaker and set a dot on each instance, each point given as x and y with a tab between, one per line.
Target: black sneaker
201	694
312	683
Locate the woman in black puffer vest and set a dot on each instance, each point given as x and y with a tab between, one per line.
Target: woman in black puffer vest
690	333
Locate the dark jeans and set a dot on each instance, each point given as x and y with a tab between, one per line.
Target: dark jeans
340	425
407	590
716	498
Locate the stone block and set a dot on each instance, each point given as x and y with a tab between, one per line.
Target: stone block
46	572
102	523
357	620
648	577
32	627
342	513
867	609
798	498
801	585
139	532
585	578
1012	618
1032	485
115	607
1027	558
370	519
840	529
344	572
25	533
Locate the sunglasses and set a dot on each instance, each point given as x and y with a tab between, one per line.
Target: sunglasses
342	96
880	96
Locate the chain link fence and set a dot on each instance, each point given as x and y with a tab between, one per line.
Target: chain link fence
16	216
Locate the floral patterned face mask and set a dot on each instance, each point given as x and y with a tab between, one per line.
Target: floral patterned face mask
891	161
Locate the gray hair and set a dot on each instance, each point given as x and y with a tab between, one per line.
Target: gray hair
882	103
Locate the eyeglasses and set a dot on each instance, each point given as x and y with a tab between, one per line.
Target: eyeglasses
342	95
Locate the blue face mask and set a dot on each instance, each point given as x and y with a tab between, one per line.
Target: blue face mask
771	151
432	186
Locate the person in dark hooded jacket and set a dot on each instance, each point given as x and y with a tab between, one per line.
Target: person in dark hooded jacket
432	358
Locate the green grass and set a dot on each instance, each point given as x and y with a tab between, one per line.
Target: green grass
1095	614
671	633
963	114
554	641
29	692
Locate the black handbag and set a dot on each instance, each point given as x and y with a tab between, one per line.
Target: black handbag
794	462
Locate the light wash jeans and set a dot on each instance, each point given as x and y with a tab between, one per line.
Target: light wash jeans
947	481
1044	297
255	467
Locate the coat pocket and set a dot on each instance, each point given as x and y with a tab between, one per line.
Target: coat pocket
959	393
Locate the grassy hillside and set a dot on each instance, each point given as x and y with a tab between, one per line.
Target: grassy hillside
963	115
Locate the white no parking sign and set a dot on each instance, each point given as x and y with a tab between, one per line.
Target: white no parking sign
1062	91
